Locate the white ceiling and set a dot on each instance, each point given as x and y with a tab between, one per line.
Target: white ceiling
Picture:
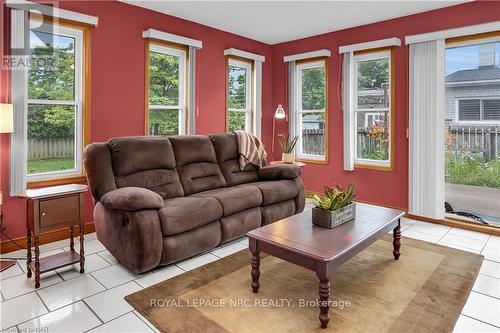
274	22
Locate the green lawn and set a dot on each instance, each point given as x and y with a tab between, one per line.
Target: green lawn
472	170
56	164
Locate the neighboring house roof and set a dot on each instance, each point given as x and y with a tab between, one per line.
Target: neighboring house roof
312	118
477	74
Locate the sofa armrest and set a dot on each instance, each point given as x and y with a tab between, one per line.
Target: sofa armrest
131	199
279	171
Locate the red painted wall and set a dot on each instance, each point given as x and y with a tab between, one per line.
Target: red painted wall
117	75
387	188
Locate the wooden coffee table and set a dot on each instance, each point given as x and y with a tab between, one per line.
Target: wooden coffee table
297	240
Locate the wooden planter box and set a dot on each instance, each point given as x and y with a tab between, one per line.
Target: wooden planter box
327	219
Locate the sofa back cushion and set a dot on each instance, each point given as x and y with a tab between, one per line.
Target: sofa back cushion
196	163
147	162
226	150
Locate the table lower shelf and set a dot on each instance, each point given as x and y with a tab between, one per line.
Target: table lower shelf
56	261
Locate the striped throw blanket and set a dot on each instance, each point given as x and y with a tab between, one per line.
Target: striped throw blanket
251	150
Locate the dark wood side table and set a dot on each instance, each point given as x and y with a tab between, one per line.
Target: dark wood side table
52	208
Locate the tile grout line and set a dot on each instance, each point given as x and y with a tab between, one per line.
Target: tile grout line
92	310
106	322
489	237
98	280
496	277
41	299
148	324
484	294
482	321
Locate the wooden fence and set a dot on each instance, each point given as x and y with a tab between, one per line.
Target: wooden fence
313	141
483	140
41	149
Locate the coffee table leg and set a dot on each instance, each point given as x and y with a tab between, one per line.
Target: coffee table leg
396	234
254	249
324	294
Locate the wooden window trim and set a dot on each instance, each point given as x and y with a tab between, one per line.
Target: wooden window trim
326	159
392	165
86	116
456	41
147	44
252	92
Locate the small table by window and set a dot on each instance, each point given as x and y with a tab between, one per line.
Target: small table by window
300	164
52	208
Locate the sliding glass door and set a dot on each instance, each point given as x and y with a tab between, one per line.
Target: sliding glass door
472	130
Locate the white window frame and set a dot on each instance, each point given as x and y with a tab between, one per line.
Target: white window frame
367	57
481	111
298	124
77	34
181	107
248	93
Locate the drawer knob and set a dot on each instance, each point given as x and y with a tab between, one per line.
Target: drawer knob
43	213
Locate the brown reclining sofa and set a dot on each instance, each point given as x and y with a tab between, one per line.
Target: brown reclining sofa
163	199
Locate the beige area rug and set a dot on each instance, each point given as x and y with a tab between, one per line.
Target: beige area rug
422	292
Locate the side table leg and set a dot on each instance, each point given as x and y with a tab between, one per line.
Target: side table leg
72	238
28	253
255	261
396	234
82	252
324	294
37	262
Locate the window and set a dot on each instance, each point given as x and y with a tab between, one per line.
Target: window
239	96
478	109
311	110
372	108
55	101
166	110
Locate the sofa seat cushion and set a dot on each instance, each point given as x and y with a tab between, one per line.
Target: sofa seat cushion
234	199
275	190
187	213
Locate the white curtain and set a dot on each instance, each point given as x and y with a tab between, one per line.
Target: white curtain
19	86
292	98
192	91
347	89
426	136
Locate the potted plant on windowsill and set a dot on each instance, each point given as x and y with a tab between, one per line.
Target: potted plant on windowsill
288	145
335	207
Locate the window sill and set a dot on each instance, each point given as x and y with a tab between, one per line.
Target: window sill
56	181
311	160
368	166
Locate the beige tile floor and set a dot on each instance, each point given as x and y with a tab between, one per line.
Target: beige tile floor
93	302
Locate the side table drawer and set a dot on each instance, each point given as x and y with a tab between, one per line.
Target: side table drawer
59	212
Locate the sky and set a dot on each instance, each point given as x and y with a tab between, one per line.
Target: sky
466	58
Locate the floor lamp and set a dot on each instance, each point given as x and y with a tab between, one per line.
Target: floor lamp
279	114
6	126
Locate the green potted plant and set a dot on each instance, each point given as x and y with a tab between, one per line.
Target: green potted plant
288	145
335	207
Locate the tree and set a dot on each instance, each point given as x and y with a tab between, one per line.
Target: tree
237	97
163	90
313	88
51	77
373	73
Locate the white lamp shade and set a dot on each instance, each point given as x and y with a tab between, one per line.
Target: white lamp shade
280	112
6	118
